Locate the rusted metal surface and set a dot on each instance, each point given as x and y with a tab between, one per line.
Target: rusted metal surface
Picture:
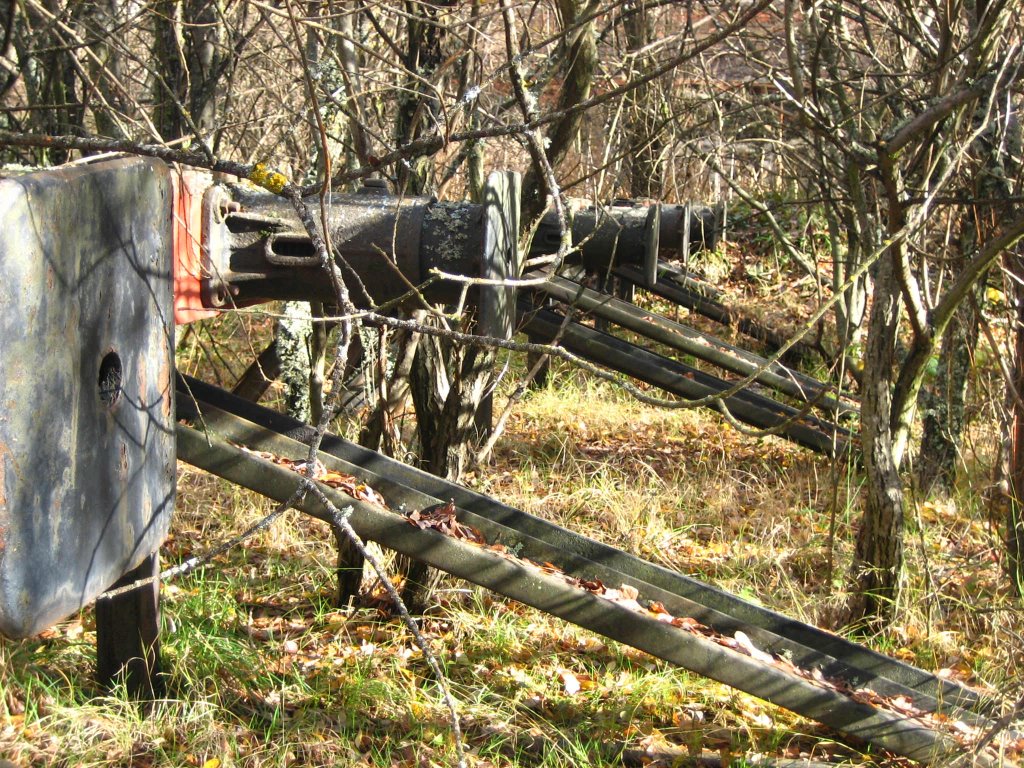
625	232
256	248
86	416
188	260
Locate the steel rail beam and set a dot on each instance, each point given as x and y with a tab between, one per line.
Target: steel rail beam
552	594
688	293
208	404
684	381
692	342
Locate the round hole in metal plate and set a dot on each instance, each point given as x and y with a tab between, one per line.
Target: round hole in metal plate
110	379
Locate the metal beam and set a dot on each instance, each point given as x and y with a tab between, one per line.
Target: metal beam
391	477
687	293
542	541
692	342
685	381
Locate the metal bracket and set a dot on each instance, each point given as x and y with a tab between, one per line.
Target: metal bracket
501	254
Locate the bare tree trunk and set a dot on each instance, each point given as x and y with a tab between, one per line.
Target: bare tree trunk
846	240
452	440
348	58
47	60
381	432
206	61
942	404
168	78
419	105
580	60
879	555
430	377
108	81
291	340
643	140
431	383
193	63
1015	509
447	384
999	179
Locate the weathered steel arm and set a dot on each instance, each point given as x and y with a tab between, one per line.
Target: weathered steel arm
692	342
685	381
627	232
256	249
582	558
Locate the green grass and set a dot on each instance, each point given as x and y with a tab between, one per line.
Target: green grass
265	671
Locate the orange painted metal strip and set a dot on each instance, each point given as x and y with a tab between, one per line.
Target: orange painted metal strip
188	258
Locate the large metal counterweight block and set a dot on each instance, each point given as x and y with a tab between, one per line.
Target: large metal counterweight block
87	449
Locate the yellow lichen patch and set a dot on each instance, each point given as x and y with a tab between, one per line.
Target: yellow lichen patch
270	180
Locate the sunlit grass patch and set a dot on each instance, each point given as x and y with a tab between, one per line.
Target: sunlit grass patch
265	670
672	486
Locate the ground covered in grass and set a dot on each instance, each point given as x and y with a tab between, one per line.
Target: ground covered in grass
264	670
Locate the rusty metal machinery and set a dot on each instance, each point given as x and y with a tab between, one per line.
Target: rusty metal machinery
86	265
794	665
631	232
87	461
255	247
96	264
87	429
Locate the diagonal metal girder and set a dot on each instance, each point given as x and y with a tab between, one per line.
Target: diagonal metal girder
225	418
698	297
703	346
683	380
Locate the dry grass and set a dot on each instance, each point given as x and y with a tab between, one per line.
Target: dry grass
265	671
677	487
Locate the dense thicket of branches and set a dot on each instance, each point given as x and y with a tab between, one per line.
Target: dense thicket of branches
892	127
908	110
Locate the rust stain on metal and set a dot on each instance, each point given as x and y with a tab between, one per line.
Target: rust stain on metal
4	512
5	453
142	369
164	380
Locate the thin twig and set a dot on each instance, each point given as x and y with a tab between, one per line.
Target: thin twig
198	560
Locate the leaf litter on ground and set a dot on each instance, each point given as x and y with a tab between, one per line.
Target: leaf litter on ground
443	518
